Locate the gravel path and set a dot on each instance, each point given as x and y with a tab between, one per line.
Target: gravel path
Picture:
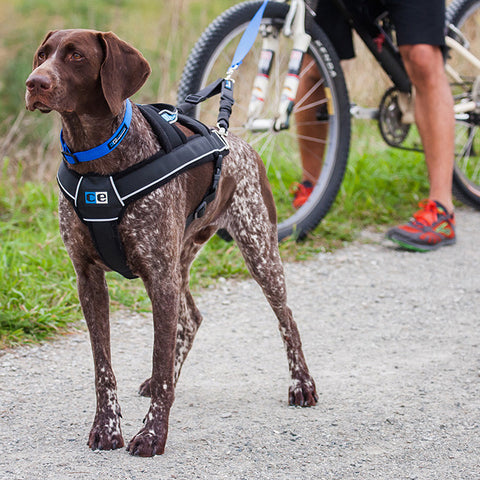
391	338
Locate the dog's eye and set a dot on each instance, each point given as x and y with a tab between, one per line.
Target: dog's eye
76	56
42	56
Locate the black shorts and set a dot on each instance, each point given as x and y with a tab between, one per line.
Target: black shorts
415	21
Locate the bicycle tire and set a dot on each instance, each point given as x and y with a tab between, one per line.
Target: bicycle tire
214	47
465	16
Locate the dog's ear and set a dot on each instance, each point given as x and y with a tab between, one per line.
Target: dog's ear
123	72
35	57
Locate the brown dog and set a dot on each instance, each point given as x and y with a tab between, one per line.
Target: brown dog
86	76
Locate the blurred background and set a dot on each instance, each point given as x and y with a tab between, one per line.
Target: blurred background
37	283
164	31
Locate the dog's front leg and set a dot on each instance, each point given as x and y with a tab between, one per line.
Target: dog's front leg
92	289
151	439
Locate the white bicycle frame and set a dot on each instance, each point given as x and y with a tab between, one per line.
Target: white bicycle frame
294	27
470	105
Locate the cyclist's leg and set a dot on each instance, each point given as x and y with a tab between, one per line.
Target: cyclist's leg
434	116
309	132
420	34
420	28
310	137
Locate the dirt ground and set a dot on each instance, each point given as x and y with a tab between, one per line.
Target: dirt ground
391	339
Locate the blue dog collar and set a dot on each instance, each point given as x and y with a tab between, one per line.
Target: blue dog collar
105	147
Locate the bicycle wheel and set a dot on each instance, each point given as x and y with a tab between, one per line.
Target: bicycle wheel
328	118
464	15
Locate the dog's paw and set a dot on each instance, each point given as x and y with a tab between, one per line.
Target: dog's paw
145	389
302	393
106	437
147	444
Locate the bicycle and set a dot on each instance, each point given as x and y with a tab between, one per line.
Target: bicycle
267	103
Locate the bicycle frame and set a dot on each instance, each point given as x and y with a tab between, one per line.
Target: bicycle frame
294	27
468	106
377	39
381	46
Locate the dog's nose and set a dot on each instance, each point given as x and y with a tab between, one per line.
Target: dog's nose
37	81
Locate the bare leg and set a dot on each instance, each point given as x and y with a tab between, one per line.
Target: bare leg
309	130
434	116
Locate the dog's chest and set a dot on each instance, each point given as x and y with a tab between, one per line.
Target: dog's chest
101	201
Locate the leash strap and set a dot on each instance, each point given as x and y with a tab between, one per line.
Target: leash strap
248	37
224	86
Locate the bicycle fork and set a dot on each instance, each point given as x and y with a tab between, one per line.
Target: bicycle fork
294	27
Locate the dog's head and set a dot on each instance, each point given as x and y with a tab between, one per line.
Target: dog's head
83	71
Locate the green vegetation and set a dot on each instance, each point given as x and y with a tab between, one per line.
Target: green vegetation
37	284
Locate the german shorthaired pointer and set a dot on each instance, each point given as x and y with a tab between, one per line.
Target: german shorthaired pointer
86	76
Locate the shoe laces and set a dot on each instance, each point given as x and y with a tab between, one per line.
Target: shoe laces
427	214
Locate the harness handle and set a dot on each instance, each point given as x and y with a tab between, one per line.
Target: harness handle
195	98
222	86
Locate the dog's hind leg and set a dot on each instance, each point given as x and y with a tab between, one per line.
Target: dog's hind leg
189	321
256	236
92	289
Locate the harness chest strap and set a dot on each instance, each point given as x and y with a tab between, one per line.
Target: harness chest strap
100	201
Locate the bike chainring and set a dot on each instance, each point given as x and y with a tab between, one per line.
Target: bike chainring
392	129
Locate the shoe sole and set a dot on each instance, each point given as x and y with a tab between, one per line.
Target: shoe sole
419	247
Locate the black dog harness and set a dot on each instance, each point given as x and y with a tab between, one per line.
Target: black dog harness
100	201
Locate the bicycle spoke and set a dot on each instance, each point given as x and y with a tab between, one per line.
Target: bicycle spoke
281	151
314	122
323	101
309	94
312	139
255	141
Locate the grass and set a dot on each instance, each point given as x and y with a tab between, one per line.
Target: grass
37	284
163	31
38	298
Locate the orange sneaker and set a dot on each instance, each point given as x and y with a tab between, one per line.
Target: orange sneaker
301	192
430	228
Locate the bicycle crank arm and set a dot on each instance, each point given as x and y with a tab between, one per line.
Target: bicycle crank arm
260	125
363	113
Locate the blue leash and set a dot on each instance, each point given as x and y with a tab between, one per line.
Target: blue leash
224	86
248	38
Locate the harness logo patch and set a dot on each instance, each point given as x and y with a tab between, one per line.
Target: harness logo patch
96	198
169	116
